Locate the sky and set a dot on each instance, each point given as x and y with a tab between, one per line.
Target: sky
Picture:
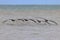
52	2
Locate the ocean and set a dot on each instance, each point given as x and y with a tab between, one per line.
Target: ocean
30	7
28	31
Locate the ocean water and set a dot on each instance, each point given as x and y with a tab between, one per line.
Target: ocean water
29	32
30	7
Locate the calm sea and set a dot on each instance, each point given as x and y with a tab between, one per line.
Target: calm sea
29	7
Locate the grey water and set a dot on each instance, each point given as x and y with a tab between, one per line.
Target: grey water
29	32
30	7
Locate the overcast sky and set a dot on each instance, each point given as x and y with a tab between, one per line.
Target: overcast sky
30	2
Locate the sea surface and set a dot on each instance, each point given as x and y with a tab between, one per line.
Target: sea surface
29	32
30	7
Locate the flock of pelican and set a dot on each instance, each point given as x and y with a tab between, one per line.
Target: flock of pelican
30	20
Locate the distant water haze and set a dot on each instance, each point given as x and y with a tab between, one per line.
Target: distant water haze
30	10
